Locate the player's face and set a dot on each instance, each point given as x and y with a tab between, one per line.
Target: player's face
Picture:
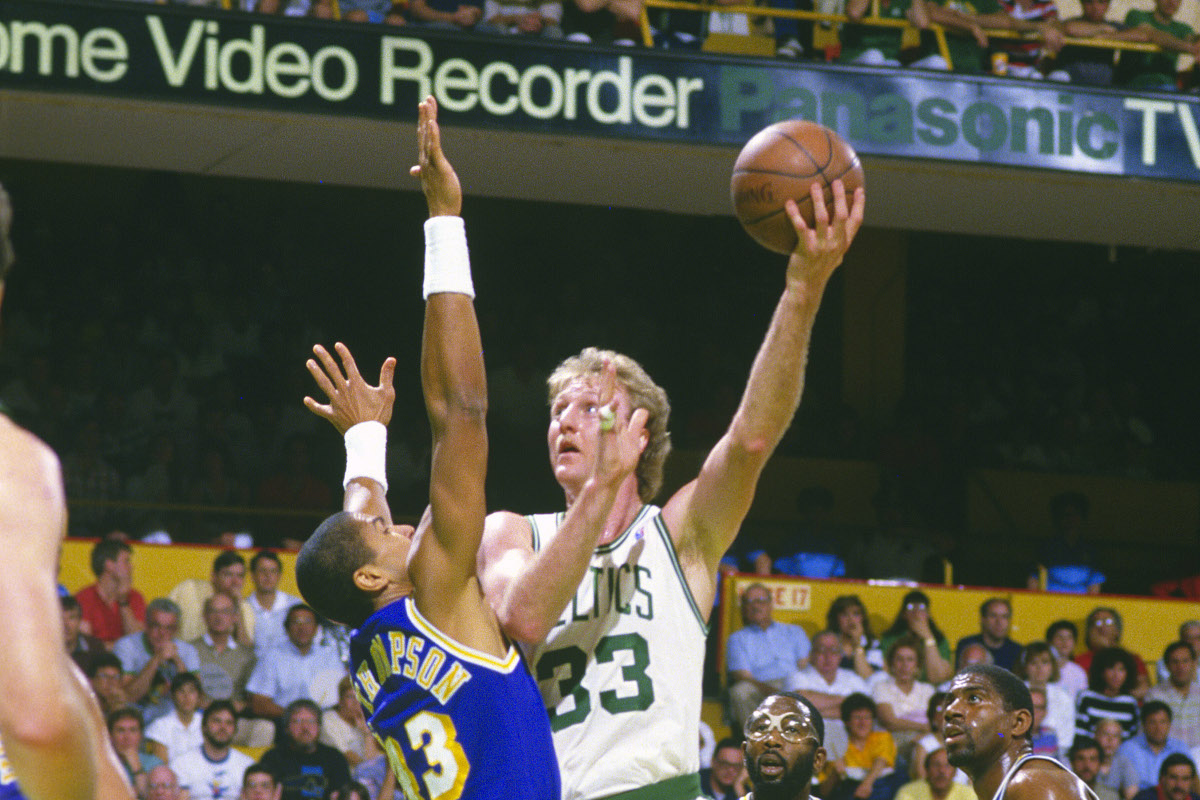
976	728
941	772
220	728
230	580
1181	666
575	427
1176	782
781	748
996	620
258	786
303	728
1086	764
392	545
266	575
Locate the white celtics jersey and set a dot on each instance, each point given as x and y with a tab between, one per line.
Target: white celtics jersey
620	671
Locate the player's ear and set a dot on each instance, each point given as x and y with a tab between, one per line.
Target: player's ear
369	578
1022	722
819	758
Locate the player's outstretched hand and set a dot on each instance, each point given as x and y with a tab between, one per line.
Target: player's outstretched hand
619	445
351	399
439	181
820	249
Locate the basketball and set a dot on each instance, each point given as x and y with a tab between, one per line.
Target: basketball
782	161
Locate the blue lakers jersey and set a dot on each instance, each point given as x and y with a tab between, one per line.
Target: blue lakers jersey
8	781
454	722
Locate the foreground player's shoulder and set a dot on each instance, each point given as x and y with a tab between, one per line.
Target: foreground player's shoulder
1045	780
504	530
30	475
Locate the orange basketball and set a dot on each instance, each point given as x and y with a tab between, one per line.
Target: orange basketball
782	161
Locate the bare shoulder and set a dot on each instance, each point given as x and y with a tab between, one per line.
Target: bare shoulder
506	528
1042	780
29	469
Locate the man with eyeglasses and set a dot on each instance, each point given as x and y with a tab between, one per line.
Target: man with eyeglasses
151	659
784	747
762	654
719	782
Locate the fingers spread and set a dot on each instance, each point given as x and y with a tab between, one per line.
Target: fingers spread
323	382
352	372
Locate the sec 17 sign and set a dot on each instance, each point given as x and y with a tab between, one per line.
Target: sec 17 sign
787	596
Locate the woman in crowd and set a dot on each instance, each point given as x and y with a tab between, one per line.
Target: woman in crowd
900	698
913	618
1111	679
1038	667
1063	636
866	770
847	617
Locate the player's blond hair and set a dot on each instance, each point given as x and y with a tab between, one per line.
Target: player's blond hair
643	393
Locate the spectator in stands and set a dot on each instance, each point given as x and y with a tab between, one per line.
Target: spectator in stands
995	622
1136	766
111	607
269	603
1180	692
126	731
880	47
1110	682
1188	632
1025	56
720	782
1040	671
259	783
866	771
762	654
902	700
1070	562
602	21
1109	735
914	618
151	660
106	677
823	683
1157	70
534	18
214	770
228	578
939	783
1093	66
1176	780
847	616
1084	756
179	730
292	670
224	665
1103	630
82	647
1062	636
386	12
344	728
307	768
461	15
1041	736
161	784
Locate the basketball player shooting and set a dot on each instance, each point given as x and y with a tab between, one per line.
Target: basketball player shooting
613	596
444	691
53	743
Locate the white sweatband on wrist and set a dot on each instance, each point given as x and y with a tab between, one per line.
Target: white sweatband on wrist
447	262
366	453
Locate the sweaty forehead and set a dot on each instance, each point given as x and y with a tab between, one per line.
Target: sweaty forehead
963	684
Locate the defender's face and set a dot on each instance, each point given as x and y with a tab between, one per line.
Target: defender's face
391	544
976	726
575	428
781	747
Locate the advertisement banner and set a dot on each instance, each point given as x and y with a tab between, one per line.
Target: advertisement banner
243	60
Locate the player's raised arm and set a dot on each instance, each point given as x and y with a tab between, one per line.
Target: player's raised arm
452	377
704	516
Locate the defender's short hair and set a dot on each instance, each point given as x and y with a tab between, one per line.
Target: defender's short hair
325	570
1014	694
643	393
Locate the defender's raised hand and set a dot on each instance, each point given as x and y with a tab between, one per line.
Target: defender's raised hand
351	399
439	181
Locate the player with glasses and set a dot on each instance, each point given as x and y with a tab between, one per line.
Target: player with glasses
783	747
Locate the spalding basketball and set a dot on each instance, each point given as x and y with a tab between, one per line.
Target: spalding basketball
782	161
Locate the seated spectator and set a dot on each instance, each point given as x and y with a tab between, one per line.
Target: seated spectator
269	603
1062	636
293	670
720	782
1110	681
228	578
111	607
1109	735
1090	66
224	666
602	21
902	700
1181	692
1039	670
1139	759
880	47
1070	562
1176	780
762	654
178	731
127	735
1042	737
259	783
161	784
1025	56
995	622
1140	70
214	770
965	22
151	660
865	771
939	783
343	727
823	683
386	12
1188	632
536	18
83	648
847	616
1084	757
914	618
1103	630
107	679
306	768
932	741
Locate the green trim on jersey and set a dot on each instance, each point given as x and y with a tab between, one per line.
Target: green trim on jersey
608	548
687	590
683	787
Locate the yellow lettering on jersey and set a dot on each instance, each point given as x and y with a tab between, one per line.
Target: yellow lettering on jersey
6	770
451	682
396	642
404	776
415	645
367	684
430	666
379	658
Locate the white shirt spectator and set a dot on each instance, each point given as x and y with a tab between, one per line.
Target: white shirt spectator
205	779
268	622
285	675
846	682
172	734
1072	678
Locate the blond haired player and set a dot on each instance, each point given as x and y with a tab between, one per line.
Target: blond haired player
612	595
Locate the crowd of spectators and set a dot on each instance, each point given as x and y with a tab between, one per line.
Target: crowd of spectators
1125	730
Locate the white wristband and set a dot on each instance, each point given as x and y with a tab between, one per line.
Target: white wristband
366	453
447	262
